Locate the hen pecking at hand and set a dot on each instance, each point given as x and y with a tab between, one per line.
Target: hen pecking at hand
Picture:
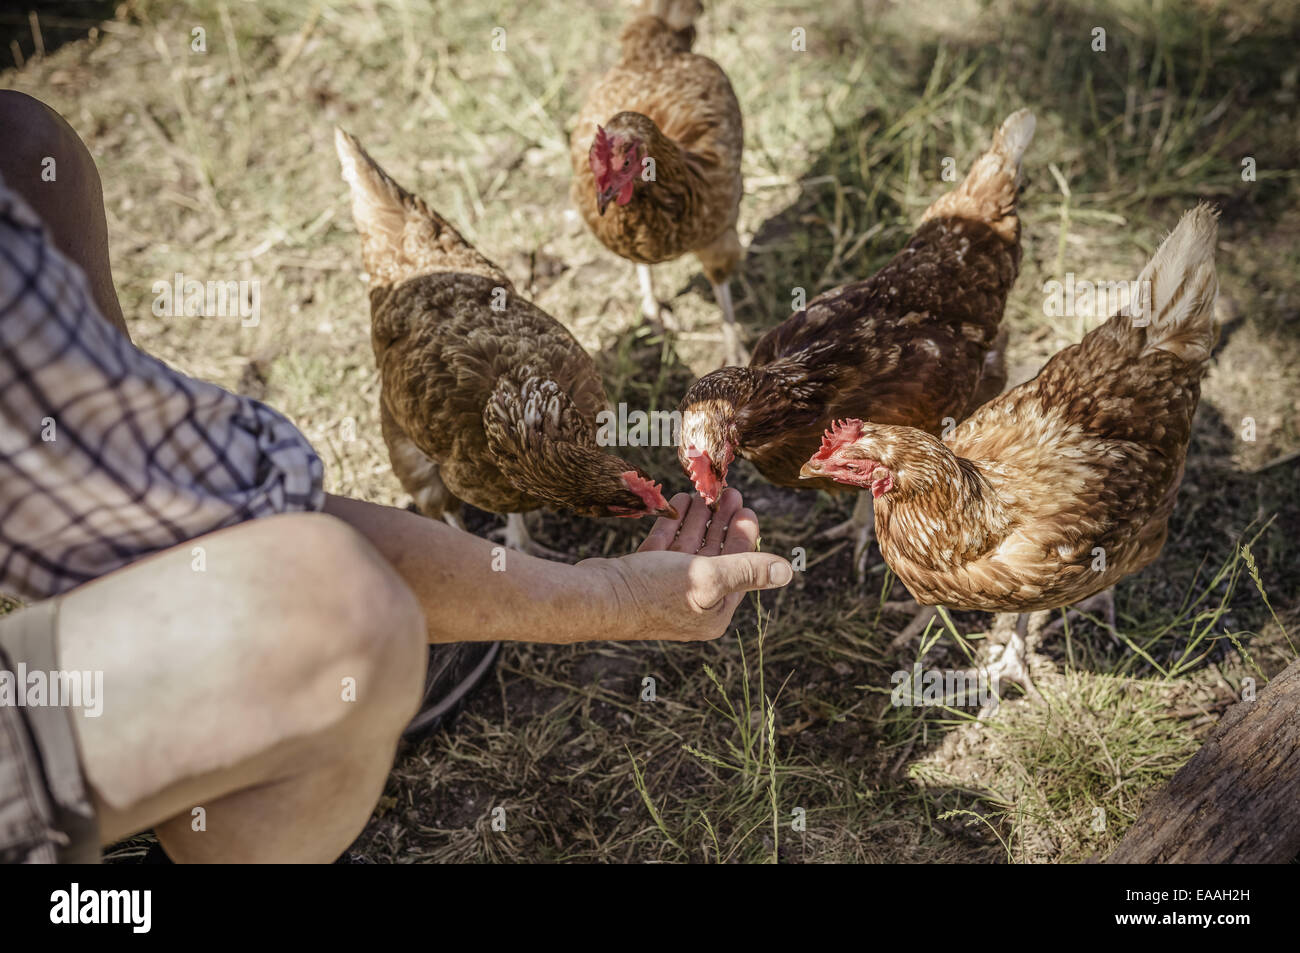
1063	485
656	157
484	397
917	344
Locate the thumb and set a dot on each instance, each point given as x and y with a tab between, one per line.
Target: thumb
741	572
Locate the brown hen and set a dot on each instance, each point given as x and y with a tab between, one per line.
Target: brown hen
1063	485
656	157
484	397
918	343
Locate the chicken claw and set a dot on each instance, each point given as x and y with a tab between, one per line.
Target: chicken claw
1012	665
515	536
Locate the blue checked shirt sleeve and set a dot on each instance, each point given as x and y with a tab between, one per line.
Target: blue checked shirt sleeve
107	454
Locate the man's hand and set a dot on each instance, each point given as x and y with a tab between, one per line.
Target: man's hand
686	579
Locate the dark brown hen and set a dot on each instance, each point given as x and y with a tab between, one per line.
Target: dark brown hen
916	344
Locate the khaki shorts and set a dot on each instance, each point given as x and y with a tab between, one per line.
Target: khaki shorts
46	815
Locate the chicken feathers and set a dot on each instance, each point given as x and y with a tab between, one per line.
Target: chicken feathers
910	345
1065	484
656	150
484	397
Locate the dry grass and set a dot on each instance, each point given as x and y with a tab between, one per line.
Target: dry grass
219	165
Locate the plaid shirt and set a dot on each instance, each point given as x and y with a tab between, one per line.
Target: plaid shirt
107	454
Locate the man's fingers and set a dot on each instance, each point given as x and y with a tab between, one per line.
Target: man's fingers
740	572
742	533
693	524
665	529
728	504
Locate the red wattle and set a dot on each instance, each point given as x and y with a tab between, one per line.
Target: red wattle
648	490
700	469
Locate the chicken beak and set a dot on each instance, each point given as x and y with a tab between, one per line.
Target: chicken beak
603	198
669	511
810	470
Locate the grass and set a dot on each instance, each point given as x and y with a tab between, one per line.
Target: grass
218	165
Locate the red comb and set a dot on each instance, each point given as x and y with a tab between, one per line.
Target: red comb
650	492
602	154
840	433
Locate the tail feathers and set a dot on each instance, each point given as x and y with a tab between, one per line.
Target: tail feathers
1011	141
1178	287
988	193
401	237
678	14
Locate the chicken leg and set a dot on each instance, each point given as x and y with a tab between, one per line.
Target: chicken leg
652	309
861	528
1012	663
1008	640
649	302
734	352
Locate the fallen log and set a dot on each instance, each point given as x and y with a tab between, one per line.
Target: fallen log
1237	801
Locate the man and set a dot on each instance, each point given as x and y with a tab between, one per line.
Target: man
261	643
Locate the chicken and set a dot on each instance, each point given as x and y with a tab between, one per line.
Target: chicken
656	157
917	344
484	397
1063	485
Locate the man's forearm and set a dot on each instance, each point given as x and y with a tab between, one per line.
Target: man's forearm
466	599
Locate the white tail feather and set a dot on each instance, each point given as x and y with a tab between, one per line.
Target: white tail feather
1013	138
1178	288
678	14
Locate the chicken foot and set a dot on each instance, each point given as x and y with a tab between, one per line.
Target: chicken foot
1012	664
1008	637
861	528
515	536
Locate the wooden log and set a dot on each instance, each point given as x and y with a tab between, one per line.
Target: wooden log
1237	801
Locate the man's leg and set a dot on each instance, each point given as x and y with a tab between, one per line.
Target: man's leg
225	688
268	688
72	204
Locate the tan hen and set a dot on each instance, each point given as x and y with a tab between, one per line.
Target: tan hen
656	157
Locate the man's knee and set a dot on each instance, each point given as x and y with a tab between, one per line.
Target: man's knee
358	633
34	131
45	161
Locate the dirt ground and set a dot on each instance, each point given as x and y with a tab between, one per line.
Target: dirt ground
778	742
